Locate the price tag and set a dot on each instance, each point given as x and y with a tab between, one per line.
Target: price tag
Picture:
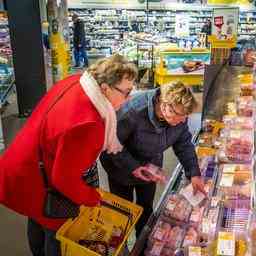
227	180
188	193
226	244
194	251
205	226
215	201
170	206
229	168
234	134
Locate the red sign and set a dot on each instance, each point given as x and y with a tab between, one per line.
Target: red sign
218	21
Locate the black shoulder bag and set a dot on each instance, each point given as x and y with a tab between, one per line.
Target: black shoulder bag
56	205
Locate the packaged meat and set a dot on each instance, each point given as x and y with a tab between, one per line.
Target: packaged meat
155	173
245	106
192	198
206	139
237	184
196	216
246	89
231	109
209	224
178	208
169	234
191	238
238	122
237	203
164	237
208	125
155	249
237	147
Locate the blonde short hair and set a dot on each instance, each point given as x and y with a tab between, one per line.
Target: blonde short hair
112	70
178	94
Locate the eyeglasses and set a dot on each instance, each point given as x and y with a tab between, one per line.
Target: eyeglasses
175	112
125	94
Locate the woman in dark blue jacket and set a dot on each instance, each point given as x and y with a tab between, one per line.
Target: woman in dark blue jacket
148	124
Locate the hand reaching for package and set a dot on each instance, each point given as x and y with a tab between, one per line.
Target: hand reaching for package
150	173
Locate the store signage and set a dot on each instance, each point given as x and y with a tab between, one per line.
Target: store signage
224	28
182	25
240	3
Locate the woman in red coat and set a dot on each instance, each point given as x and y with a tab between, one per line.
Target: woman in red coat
72	124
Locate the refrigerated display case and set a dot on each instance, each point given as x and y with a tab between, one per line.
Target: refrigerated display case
226	215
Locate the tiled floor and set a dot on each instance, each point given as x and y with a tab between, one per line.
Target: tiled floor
13	241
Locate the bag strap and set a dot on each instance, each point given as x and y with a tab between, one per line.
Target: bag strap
40	151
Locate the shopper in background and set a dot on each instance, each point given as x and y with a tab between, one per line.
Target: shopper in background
79	41
148	124
72	124
207	28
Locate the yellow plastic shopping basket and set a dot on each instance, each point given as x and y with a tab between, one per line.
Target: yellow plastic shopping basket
113	210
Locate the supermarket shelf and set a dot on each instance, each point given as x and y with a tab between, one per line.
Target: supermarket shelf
6	93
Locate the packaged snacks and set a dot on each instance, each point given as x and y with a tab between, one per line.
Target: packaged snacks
178	208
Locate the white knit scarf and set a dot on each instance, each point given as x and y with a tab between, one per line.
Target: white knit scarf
106	111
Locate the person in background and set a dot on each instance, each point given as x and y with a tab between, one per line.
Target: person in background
148	124
79	41
207	28
72	124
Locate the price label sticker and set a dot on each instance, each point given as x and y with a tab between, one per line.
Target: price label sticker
194	251
170	206
235	134
226	244
229	168
227	180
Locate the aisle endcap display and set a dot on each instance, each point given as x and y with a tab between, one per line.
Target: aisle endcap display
182	65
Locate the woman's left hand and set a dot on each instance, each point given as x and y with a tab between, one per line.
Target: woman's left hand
198	185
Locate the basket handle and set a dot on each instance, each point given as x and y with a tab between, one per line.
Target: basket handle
127	214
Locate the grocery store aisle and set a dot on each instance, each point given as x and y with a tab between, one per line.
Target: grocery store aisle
13	239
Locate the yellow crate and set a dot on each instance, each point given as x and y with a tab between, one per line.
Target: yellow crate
113	210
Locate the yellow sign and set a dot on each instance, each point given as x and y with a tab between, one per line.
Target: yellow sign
218	43
230	2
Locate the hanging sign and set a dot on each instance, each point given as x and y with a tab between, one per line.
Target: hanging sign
224	28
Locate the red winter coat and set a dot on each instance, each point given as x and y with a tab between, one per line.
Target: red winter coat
72	138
